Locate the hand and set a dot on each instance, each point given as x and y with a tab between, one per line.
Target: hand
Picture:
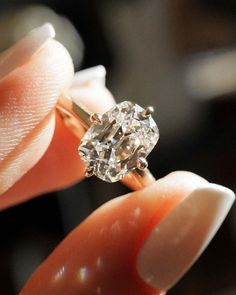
140	243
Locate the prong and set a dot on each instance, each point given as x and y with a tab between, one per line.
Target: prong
141	151
96	118
89	172
81	153
148	111
142	163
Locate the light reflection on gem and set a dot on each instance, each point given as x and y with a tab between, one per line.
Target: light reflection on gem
99	290
83	274
59	274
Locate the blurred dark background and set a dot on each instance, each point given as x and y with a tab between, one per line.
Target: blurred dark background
180	57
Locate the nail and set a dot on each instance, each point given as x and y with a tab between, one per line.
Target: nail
21	52
179	239
97	73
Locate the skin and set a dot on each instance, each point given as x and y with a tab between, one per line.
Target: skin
100	254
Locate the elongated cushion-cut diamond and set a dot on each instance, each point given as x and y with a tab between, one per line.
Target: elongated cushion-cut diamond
112	149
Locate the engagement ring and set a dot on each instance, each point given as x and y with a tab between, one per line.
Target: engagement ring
115	144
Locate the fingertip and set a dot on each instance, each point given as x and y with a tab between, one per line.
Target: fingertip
93	95
50	29
183	181
173	244
28	95
117	229
58	168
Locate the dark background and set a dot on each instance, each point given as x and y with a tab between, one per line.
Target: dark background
180	57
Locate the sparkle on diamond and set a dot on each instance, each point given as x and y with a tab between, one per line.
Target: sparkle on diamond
112	148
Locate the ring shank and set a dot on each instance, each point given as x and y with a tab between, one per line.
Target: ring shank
138	179
77	118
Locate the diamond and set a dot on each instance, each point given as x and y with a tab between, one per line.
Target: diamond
113	148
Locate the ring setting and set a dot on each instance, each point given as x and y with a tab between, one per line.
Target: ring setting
118	141
114	146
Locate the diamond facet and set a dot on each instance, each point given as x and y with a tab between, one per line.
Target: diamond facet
112	149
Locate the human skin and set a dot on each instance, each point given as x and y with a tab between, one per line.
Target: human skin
109	252
106	244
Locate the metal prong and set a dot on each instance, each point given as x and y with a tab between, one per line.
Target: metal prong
89	172
142	164
96	118
141	151
148	111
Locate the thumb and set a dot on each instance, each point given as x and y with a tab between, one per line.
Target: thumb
141	243
33	73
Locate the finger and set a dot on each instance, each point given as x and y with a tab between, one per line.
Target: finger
60	166
33	74
140	243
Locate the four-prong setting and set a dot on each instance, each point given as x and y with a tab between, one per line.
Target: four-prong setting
119	141
142	164
89	172
148	111
96	118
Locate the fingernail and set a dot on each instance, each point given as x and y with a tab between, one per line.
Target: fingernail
22	51
179	239
97	73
